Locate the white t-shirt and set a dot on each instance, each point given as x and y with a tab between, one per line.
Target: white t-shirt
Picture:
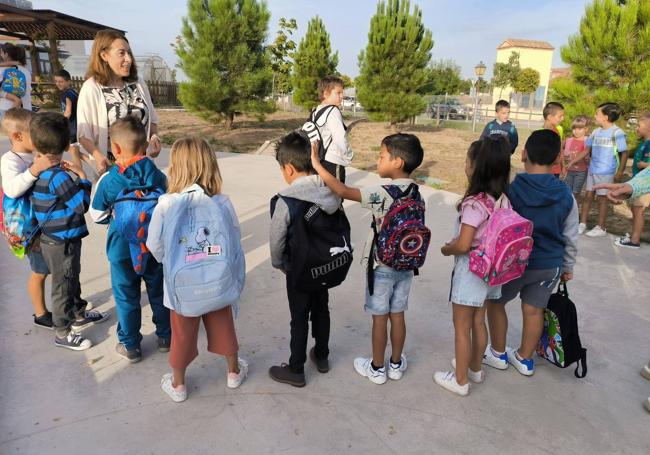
332	130
16	178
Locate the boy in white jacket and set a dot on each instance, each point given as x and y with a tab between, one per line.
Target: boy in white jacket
20	170
329	120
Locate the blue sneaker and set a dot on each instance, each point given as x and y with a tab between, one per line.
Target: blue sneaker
500	361
524	366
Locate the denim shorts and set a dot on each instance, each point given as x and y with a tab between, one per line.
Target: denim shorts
534	287
575	180
391	293
467	288
37	263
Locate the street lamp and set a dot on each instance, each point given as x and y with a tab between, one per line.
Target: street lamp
479	70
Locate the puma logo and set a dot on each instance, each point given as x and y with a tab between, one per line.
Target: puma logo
339	250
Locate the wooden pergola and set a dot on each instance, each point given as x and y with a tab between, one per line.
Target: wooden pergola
46	25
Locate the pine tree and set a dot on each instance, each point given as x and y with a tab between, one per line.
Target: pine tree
393	67
313	61
609	58
281	51
222	52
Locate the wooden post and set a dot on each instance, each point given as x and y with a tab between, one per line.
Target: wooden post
33	55
54	51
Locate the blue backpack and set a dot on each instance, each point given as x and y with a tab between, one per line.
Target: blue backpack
19	224
14	82
132	211
204	264
402	240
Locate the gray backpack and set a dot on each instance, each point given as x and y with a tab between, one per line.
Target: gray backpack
204	264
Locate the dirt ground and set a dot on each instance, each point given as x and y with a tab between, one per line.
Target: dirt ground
444	159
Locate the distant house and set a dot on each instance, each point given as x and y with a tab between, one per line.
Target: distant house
557	73
537	55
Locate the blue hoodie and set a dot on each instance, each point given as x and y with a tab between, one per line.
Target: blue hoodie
548	203
140	175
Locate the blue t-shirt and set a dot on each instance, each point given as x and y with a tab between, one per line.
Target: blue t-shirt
603	161
71	94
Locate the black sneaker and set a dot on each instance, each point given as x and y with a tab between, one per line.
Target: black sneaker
133	356
164	344
627	242
322	365
44	321
91	318
284	374
73	341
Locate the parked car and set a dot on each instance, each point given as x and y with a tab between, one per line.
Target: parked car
453	110
348	101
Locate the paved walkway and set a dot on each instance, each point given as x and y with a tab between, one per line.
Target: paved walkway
54	401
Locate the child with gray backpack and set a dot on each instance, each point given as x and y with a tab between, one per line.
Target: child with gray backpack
195	233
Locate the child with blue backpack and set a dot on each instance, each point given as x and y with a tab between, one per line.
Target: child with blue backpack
124	199
487	167
195	234
20	170
390	266
540	197
60	199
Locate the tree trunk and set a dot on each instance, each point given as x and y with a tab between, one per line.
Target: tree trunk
230	118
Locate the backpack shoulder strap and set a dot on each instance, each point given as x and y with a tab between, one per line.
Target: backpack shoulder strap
326	110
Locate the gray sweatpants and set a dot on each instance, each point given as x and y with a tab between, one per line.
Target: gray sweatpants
64	262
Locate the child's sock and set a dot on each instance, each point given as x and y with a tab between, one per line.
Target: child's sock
395	364
372	365
495	352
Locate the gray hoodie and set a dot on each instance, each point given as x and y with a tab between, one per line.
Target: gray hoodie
309	188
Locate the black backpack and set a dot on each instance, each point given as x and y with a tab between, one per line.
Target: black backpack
310	127
318	245
560	342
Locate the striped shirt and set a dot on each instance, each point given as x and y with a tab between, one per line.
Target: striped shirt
59	202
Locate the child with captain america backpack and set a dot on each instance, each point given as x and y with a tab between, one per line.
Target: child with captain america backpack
395	249
124	199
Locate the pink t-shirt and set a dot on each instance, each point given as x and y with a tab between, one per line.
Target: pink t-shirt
475	214
572	147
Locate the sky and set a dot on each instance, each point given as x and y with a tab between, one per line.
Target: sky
467	31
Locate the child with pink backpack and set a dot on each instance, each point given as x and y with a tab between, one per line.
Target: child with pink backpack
483	241
543	199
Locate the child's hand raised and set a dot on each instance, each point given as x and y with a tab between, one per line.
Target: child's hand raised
70	166
41	163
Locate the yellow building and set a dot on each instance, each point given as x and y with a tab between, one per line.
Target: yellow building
537	55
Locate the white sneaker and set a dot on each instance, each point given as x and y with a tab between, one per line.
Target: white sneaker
177	394
396	372
492	360
363	366
645	371
447	380
235	379
582	227
475	376
597	231
524	366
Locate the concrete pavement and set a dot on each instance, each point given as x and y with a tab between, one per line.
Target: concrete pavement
56	401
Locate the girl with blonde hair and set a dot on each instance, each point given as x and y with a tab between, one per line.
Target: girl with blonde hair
194	175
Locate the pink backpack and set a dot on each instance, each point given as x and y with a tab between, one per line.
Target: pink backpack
506	243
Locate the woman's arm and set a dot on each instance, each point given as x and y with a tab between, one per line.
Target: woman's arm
154	140
88	123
